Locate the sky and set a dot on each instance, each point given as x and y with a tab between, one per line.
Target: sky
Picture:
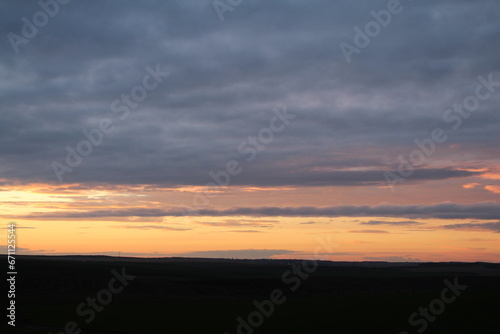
252	129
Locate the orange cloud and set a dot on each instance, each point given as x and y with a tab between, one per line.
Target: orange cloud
491	176
493	189
471	185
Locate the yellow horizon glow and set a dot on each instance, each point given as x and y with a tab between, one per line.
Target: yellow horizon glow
175	236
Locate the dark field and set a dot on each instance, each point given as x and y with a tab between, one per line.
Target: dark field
189	296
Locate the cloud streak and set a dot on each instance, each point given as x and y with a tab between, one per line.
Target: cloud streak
493	227
238	253
152	227
446	210
398	223
368	231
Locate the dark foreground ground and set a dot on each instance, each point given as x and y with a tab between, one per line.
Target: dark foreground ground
208	296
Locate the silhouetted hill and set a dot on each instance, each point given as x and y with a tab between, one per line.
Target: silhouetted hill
181	295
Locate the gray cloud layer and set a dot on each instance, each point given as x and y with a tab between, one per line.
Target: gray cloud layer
494	227
483	210
398	223
225	78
